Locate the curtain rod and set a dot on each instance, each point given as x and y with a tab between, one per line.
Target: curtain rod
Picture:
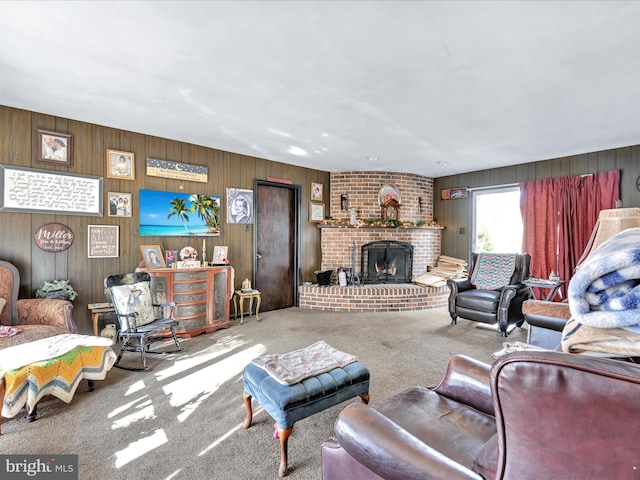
493	187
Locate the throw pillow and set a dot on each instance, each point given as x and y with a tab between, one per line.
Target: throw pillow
135	298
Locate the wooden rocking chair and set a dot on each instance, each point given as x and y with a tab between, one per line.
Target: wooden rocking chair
141	322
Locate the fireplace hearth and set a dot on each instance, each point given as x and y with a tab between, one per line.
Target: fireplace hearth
387	261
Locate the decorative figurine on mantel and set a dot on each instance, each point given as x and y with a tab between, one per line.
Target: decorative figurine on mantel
246	285
353	216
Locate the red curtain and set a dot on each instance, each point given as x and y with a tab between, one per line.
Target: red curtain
558	216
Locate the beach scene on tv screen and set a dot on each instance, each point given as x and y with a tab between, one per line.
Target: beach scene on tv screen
179	214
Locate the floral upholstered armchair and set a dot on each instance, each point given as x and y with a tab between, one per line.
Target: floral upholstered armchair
34	317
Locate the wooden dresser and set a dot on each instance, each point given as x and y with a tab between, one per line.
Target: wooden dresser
202	297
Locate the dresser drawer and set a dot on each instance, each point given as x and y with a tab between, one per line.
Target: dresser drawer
192	323
190	310
182	276
190	297
189	287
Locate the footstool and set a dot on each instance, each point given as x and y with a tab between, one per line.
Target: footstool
289	403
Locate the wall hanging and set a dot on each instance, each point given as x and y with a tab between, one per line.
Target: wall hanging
121	165
103	241
178	214
54	148
44	191
178	171
239	205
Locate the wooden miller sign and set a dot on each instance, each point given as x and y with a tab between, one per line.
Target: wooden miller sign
53	237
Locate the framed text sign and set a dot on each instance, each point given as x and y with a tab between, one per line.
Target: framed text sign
179	171
103	241
43	191
53	237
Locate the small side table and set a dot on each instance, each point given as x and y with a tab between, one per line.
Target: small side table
96	310
542	284
244	296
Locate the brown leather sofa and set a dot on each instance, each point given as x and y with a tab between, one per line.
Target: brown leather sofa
501	307
36	317
531	415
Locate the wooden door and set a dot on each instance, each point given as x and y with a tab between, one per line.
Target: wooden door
276	241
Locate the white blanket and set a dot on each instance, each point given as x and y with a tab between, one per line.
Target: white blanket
45	349
293	367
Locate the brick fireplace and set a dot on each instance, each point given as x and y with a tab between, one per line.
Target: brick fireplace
341	244
386	261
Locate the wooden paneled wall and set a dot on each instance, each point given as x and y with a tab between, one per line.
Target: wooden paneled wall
456	214
226	170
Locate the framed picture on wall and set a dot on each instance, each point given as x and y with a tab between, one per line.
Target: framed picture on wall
103	241
121	165
54	148
316	192
119	204
454	193
316	212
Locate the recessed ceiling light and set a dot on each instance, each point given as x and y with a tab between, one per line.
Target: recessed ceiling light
372	158
297	151
442	164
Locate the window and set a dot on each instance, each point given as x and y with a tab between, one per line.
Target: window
496	220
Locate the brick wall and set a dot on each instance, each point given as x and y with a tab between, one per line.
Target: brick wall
363	189
337	240
372	298
339	243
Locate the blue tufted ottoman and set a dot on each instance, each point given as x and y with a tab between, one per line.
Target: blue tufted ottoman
289	403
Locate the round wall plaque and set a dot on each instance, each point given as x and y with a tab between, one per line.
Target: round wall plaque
53	237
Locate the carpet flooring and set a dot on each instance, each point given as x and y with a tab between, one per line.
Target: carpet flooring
182	418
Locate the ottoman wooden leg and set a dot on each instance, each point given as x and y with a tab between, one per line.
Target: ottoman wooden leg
247	405
284	442
365	399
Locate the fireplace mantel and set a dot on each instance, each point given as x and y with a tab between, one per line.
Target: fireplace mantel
379	227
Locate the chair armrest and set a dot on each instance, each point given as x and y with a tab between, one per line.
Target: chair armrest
467	381
390	451
521	288
459	284
45	311
166	309
547	309
551	315
125	324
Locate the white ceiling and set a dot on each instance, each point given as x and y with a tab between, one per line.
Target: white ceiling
432	88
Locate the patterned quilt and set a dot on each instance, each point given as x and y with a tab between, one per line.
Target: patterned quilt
493	270
59	375
293	367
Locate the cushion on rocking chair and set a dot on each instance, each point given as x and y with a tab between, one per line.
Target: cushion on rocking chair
135	298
